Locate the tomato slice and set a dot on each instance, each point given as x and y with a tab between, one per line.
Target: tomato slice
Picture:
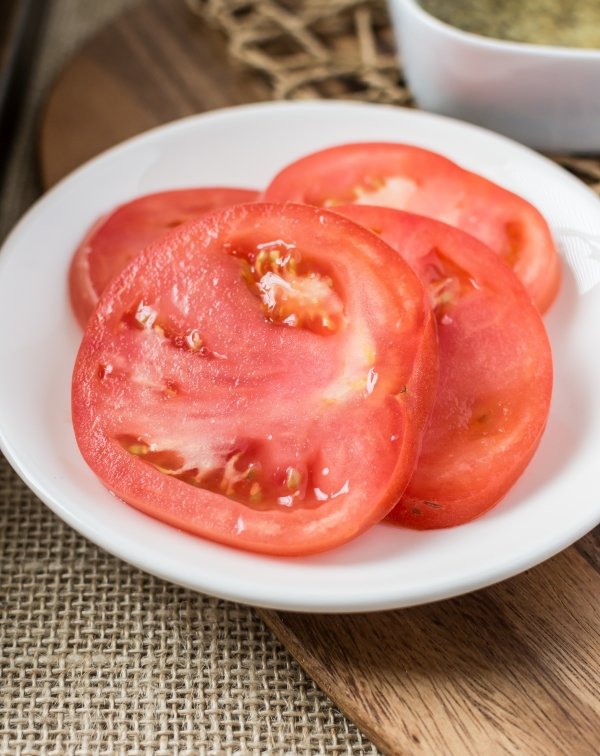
117	237
419	181
254	378
495	371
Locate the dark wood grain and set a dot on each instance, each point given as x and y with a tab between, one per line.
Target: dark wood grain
511	669
21	24
156	63
589	547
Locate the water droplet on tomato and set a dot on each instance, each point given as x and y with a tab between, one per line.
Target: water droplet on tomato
104	370
145	316
343	490
240	526
372	378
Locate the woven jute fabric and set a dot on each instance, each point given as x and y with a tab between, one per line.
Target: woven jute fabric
313	48
97	657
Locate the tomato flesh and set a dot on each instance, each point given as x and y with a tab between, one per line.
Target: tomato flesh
409	178
116	238
286	426
290	293
495	383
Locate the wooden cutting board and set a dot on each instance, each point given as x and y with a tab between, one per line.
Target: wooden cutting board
511	669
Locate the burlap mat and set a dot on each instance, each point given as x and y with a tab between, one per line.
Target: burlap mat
96	656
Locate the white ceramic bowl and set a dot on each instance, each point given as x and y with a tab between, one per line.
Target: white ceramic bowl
555	502
546	97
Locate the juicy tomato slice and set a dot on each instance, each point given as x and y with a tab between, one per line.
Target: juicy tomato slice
419	181
495	371
117	237
254	378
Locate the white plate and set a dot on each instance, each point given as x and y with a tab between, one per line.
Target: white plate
556	501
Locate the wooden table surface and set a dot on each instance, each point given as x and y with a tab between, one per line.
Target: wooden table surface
511	669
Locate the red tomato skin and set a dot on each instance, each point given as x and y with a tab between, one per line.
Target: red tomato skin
433	186
313	412
115	238
495	381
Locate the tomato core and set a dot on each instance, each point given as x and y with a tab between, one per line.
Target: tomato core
241	476
446	281
292	291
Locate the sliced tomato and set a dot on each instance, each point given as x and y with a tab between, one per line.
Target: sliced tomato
495	383
419	181
117	237
254	378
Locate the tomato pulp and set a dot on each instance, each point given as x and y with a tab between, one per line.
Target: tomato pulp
116	238
495	382
419	181
261	376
